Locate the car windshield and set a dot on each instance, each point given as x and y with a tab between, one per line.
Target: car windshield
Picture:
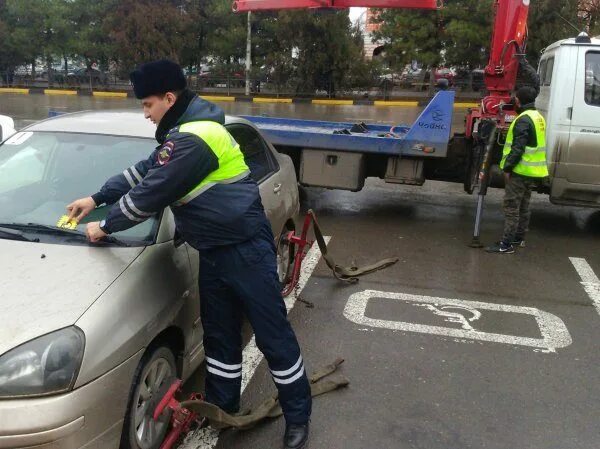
42	172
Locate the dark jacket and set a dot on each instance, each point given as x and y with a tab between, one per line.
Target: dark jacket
523	135
527	76
225	214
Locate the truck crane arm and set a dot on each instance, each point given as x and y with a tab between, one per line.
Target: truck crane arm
509	38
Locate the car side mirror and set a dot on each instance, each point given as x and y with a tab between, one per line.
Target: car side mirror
7	127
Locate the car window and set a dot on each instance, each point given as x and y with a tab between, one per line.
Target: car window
42	172
592	78
257	154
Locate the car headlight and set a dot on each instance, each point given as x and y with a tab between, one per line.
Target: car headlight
47	365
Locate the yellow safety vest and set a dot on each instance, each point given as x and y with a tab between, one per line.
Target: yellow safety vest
533	161
232	166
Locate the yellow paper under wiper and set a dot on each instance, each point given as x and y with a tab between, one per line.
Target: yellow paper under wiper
65	223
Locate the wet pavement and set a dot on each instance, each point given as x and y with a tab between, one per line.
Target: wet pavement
450	348
26	109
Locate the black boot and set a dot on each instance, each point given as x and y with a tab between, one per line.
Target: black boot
296	436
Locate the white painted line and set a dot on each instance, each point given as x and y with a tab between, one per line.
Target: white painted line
589	280
207	438
554	332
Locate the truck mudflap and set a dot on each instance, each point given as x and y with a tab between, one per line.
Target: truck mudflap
428	136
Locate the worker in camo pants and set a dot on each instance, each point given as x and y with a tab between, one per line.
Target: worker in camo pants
524	166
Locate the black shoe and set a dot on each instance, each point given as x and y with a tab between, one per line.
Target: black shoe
518	242
296	436
501	247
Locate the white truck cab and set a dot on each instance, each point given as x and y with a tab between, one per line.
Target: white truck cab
569	99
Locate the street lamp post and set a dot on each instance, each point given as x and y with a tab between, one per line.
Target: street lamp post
248	53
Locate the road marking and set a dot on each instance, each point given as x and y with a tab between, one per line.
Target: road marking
553	330
334	102
59	92
13	90
207	438
589	280
217	98
396	103
466	105
109	94
271	100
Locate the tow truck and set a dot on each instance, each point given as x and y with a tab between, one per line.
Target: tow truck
331	155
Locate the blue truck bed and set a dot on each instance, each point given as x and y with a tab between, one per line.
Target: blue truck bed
427	137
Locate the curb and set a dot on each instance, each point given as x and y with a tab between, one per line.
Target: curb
244	99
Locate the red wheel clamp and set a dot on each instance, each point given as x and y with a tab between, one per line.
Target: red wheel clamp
301	243
182	419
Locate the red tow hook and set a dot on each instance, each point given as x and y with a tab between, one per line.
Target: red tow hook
182	419
302	246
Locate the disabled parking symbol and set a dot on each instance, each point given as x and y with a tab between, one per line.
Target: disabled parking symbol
461	319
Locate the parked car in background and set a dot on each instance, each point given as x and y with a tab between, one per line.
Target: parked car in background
87	76
92	332
411	76
477	82
444	73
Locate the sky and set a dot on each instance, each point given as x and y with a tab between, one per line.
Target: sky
355	13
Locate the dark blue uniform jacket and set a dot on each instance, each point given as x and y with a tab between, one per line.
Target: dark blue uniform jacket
223	215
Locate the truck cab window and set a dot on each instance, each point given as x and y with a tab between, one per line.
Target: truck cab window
542	70
547	79
592	78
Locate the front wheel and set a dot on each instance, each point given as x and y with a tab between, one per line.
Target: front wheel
153	375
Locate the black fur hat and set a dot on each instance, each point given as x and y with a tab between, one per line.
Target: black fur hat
157	77
526	95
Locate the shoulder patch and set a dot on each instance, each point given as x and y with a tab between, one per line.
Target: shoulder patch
165	152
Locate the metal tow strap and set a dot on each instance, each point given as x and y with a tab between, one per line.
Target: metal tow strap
346	274
270	408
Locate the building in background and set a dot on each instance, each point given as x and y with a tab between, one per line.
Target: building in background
372	49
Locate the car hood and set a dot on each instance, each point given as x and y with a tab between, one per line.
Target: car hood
45	287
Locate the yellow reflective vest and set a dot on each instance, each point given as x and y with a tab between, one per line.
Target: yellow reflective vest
533	161
232	166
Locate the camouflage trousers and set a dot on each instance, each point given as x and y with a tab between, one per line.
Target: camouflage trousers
517	194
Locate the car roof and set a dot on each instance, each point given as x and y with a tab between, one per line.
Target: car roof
125	122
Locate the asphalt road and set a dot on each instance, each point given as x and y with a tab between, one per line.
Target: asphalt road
451	348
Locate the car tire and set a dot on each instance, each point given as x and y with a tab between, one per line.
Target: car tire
285	257
154	373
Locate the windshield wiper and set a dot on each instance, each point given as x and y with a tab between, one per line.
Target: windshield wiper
53	230
14	234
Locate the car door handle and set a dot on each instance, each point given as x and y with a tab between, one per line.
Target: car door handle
277	188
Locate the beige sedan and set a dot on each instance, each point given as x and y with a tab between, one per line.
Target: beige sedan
90	332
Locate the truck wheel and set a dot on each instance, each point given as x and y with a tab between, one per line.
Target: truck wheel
153	375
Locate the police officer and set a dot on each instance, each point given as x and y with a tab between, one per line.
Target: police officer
199	171
524	165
